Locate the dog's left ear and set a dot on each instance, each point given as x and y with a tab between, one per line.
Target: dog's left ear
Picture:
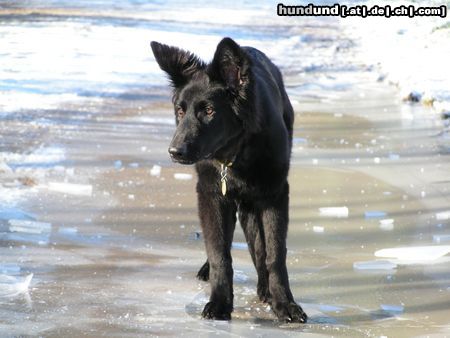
230	65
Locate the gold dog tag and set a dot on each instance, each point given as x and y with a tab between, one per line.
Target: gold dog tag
224	187
223	176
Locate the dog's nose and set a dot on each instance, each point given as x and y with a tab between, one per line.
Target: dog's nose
177	152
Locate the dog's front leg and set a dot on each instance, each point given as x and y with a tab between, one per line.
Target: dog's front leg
275	221
218	218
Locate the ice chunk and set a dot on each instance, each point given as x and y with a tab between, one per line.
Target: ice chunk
68	230
4	168
374	214
156	170
415	253
70	188
240	276
300	140
443	215
340	212
11	286
9	268
31	227
441	238
330	308
239	245
392	308
394	157
14	213
374	265
118	164
182	176
42	157
387	224
318	229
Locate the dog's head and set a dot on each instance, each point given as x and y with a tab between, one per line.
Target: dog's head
207	98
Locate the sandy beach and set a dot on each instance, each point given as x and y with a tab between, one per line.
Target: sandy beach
92	207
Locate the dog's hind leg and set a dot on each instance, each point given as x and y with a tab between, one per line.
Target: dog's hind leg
250	219
218	219
275	218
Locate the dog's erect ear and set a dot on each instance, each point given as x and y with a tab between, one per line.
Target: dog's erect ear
229	65
180	65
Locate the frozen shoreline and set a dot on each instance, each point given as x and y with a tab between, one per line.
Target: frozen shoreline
411	53
111	232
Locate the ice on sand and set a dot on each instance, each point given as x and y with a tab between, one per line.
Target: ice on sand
392	308
318	229
31	227
9	268
240	276
70	188
156	170
374	214
14	213
11	286
441	238
415	253
443	215
68	230
374	265
182	176
239	245
339	212
118	164
387	224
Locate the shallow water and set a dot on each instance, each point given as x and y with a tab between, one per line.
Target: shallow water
124	243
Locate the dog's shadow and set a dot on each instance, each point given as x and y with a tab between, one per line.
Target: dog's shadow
250	314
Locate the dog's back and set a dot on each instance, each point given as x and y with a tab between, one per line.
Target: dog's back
264	68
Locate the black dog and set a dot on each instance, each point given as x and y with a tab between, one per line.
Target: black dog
234	121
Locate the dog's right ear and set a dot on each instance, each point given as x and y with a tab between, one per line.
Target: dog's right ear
180	65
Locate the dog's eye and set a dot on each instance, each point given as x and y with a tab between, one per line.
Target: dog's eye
180	112
209	111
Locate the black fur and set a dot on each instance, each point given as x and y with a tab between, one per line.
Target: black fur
236	109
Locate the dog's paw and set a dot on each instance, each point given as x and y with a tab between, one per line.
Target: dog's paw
203	273
289	312
217	311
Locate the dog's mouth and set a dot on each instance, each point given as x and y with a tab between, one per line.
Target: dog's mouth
183	161
187	160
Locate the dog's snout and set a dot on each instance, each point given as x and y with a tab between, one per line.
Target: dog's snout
178	153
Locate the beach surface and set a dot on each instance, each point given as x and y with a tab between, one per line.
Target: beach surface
99	233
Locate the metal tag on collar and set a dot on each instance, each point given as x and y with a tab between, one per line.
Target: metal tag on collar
223	176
